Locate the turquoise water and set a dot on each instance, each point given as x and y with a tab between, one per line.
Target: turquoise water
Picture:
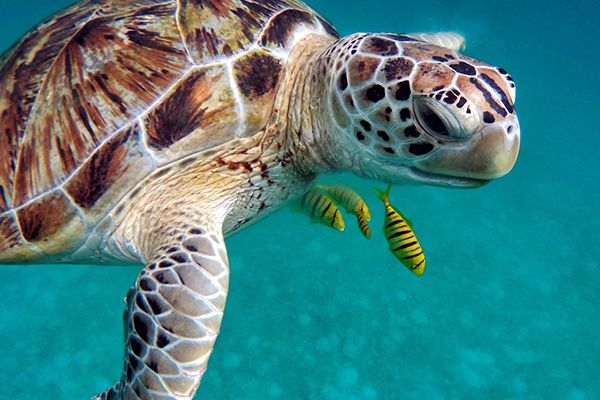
507	309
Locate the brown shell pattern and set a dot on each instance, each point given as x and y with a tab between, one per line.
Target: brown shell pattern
93	98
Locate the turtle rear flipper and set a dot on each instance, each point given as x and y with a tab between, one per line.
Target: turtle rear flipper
173	316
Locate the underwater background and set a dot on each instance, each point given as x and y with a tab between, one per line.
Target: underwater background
508	307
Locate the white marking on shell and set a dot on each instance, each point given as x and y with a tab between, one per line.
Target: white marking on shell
187	51
145	145
241	130
79	211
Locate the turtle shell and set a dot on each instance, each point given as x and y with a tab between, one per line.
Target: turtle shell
96	97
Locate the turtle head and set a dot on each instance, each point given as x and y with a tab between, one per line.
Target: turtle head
412	108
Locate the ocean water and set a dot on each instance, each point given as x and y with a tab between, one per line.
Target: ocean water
508	307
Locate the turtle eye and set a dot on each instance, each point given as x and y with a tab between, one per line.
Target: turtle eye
432	121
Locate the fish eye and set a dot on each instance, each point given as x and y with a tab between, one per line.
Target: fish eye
431	121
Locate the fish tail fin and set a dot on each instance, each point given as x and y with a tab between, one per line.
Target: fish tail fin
384	195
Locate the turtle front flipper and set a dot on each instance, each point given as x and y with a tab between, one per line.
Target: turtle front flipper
173	316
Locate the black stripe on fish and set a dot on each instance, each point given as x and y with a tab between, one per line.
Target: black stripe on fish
337	211
418	265
395	222
315	204
405	245
402	239
413	256
326	209
396	234
303	201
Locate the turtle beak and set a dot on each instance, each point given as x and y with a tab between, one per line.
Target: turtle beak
489	154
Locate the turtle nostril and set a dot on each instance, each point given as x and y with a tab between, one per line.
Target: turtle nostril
510	129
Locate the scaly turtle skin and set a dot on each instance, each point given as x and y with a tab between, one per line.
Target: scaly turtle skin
149	130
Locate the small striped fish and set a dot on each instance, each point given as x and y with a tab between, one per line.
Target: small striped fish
353	203
400	237
348	199
363	225
322	209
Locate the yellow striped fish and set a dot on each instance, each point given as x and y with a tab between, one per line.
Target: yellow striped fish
400	237
353	203
348	199
363	225
322	209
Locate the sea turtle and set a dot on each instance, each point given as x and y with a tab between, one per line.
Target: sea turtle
149	130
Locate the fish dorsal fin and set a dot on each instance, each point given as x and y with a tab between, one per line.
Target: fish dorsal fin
448	40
